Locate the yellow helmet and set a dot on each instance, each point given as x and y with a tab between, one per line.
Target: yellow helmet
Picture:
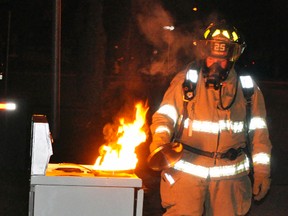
221	40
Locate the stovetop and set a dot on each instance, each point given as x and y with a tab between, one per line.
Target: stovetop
79	174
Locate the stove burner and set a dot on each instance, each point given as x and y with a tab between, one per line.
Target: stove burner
68	169
71	169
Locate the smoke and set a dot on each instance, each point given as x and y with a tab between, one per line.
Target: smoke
152	24
173	44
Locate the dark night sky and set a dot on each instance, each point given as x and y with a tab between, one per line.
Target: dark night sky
263	24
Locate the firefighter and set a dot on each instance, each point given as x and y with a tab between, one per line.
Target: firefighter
205	109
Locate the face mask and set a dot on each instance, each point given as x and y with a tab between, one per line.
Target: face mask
214	75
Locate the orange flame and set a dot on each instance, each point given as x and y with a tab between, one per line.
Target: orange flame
122	156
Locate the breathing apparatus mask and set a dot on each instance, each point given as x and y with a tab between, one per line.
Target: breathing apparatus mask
220	48
215	74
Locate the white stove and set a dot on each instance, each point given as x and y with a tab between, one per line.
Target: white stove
76	190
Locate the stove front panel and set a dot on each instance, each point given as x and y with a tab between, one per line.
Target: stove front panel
83	201
85	195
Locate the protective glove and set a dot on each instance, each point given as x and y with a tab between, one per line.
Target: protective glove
261	186
165	156
157	142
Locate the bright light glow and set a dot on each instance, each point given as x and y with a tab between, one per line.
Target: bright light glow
121	155
7	106
170	28
246	81
192	75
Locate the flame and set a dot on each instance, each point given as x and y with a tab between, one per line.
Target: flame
121	154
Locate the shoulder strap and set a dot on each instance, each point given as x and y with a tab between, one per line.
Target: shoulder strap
189	90
248	91
190	83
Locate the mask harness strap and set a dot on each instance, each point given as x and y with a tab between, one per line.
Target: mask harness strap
181	126
234	97
248	92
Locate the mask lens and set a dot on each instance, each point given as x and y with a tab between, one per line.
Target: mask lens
221	62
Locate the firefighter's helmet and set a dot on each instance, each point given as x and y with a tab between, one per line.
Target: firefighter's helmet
221	40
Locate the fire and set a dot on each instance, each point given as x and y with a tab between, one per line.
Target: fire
120	155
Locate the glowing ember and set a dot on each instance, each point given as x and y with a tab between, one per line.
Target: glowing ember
120	155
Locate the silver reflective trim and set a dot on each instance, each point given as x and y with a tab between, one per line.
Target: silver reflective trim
162	129
169	178
169	111
246	81
214	127
213	172
257	123
187	122
205	126
261	158
230	170
192	75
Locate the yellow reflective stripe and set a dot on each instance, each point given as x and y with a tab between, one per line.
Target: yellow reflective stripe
213	172
169	111
257	123
206	33
261	158
162	129
226	34
214	127
216	32
235	36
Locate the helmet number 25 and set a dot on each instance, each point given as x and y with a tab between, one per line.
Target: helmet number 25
220	47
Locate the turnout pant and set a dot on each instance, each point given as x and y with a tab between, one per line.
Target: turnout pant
185	194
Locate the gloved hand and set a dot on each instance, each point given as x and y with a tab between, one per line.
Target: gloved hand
165	156
261	186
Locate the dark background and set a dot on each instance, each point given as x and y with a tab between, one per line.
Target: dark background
113	54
